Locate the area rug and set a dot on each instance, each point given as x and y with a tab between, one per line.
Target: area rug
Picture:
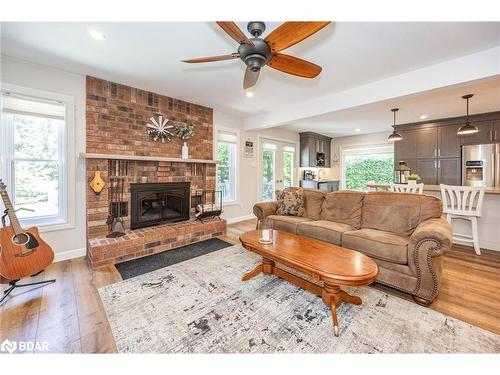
202	306
136	267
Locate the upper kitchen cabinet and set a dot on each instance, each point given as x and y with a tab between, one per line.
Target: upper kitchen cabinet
406	148
449	141
495	130
314	150
427	143
486	133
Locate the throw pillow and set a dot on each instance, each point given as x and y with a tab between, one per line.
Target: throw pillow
291	203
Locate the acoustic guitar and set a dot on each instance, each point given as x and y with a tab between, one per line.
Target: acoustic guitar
23	252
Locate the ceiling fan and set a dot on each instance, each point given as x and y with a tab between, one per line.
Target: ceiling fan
257	53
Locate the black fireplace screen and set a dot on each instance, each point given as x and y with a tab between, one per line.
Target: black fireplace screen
157	203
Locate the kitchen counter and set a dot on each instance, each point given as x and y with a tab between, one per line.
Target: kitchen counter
384	187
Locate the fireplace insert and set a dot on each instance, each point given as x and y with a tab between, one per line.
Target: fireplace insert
158	203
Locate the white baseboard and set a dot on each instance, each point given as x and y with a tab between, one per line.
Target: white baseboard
69	254
233	220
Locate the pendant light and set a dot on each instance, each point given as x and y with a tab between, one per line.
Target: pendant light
468	128
395	136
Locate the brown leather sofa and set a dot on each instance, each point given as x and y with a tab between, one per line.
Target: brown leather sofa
403	233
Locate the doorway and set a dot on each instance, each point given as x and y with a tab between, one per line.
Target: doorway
277	166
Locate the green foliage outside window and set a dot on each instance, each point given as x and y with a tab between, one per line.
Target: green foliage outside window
361	169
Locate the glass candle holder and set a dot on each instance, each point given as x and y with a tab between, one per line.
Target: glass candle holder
266	234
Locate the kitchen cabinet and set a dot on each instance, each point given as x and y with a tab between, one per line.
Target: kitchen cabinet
495	131
427	169
449	142
314	150
406	148
427	143
484	135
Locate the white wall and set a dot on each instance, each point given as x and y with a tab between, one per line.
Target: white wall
355	140
247	184
70	242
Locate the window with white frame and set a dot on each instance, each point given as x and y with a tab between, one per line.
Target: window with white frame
33	164
365	164
226	149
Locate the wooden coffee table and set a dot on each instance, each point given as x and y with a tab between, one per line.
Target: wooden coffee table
334	265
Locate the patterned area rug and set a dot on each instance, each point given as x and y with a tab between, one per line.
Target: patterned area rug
202	306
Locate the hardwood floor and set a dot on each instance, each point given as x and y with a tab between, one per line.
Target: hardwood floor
70	316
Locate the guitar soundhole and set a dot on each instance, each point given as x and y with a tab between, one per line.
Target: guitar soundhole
20	239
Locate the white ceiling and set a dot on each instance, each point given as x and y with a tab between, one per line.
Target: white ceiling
377	117
147	55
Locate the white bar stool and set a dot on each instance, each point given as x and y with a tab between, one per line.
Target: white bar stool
463	202
407	188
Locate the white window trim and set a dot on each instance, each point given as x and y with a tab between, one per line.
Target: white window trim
217	129
363	149
69	160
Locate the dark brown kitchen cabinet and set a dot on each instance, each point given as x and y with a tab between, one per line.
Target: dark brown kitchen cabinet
406	148
495	131
484	135
428	171
449	142
314	150
449	171
427	143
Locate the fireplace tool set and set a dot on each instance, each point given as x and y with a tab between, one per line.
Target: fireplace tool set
117	172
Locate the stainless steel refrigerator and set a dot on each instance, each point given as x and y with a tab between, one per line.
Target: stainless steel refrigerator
481	165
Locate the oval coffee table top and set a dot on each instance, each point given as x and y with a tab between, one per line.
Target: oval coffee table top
328	261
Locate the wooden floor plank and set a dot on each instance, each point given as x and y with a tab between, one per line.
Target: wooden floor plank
70	314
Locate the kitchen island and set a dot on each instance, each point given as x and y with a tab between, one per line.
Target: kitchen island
488	223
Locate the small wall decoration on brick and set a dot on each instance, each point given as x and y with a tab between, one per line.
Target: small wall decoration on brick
159	130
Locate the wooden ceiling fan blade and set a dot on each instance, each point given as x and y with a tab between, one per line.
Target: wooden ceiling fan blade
234	32
213	58
251	78
290	33
294	65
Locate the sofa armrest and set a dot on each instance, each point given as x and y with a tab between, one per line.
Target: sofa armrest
430	239
264	209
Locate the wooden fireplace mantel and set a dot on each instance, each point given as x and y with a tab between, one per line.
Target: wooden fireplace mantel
84	155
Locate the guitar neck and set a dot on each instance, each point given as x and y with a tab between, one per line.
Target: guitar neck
14	222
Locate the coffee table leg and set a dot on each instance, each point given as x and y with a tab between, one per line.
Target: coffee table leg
252	273
333	296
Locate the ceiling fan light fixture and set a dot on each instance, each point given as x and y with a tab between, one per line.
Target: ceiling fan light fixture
395	136
468	128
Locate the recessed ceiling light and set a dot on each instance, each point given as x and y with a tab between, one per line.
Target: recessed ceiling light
96	35
423	117
357	130
249	94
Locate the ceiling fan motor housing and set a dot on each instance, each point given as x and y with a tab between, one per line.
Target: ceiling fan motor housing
256	56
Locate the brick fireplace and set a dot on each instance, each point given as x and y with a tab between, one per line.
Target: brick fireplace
116	127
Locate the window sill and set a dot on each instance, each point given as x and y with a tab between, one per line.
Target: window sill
42	228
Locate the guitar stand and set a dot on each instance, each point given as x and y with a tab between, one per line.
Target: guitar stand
13	285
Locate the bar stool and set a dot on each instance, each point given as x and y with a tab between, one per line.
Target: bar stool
465	203
407	188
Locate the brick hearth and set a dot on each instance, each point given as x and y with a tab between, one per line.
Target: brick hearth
141	242
116	124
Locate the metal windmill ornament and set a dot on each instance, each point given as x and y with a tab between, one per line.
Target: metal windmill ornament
159	129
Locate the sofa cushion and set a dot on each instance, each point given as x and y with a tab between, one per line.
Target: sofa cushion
378	244
343	207
398	212
323	230
291	202
286	223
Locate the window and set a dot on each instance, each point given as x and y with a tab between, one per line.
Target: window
367	164
227	143
33	157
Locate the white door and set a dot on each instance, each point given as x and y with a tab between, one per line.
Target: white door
277	166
